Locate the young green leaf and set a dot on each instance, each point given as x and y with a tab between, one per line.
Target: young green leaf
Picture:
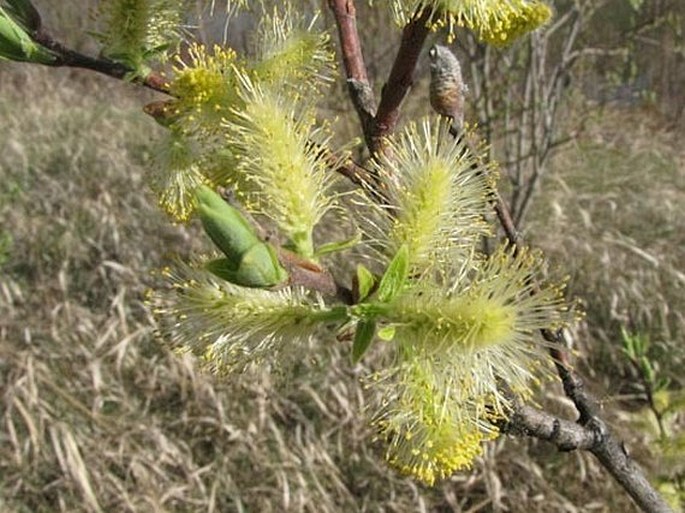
365	281
17	45
395	276
333	247
366	329
387	333
647	369
24	13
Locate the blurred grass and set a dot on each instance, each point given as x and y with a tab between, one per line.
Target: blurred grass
97	416
611	216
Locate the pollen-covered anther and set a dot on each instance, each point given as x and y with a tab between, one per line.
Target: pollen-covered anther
494	21
205	86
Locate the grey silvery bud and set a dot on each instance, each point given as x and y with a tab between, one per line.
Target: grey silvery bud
447	88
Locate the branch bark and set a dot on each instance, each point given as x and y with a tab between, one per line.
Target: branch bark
566	435
360	90
592	436
378	124
71	58
400	80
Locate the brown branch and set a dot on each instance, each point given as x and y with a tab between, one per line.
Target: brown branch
400	80
566	435
360	91
613	455
376	125
71	58
506	221
593	437
357	174
354	172
573	385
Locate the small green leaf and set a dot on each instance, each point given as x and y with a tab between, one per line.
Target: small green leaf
365	281
387	333
647	369
628	344
333	247
395	276
662	384
641	344
366	330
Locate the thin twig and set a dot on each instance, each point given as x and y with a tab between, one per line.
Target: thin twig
566	435
400	80
360	91
67	57
551	98
377	125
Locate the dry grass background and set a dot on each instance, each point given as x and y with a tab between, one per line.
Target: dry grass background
611	215
96	415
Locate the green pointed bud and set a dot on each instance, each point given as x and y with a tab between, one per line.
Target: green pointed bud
249	261
227	228
17	45
259	267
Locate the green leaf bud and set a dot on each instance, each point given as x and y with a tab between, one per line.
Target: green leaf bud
17	45
250	262
259	267
227	228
